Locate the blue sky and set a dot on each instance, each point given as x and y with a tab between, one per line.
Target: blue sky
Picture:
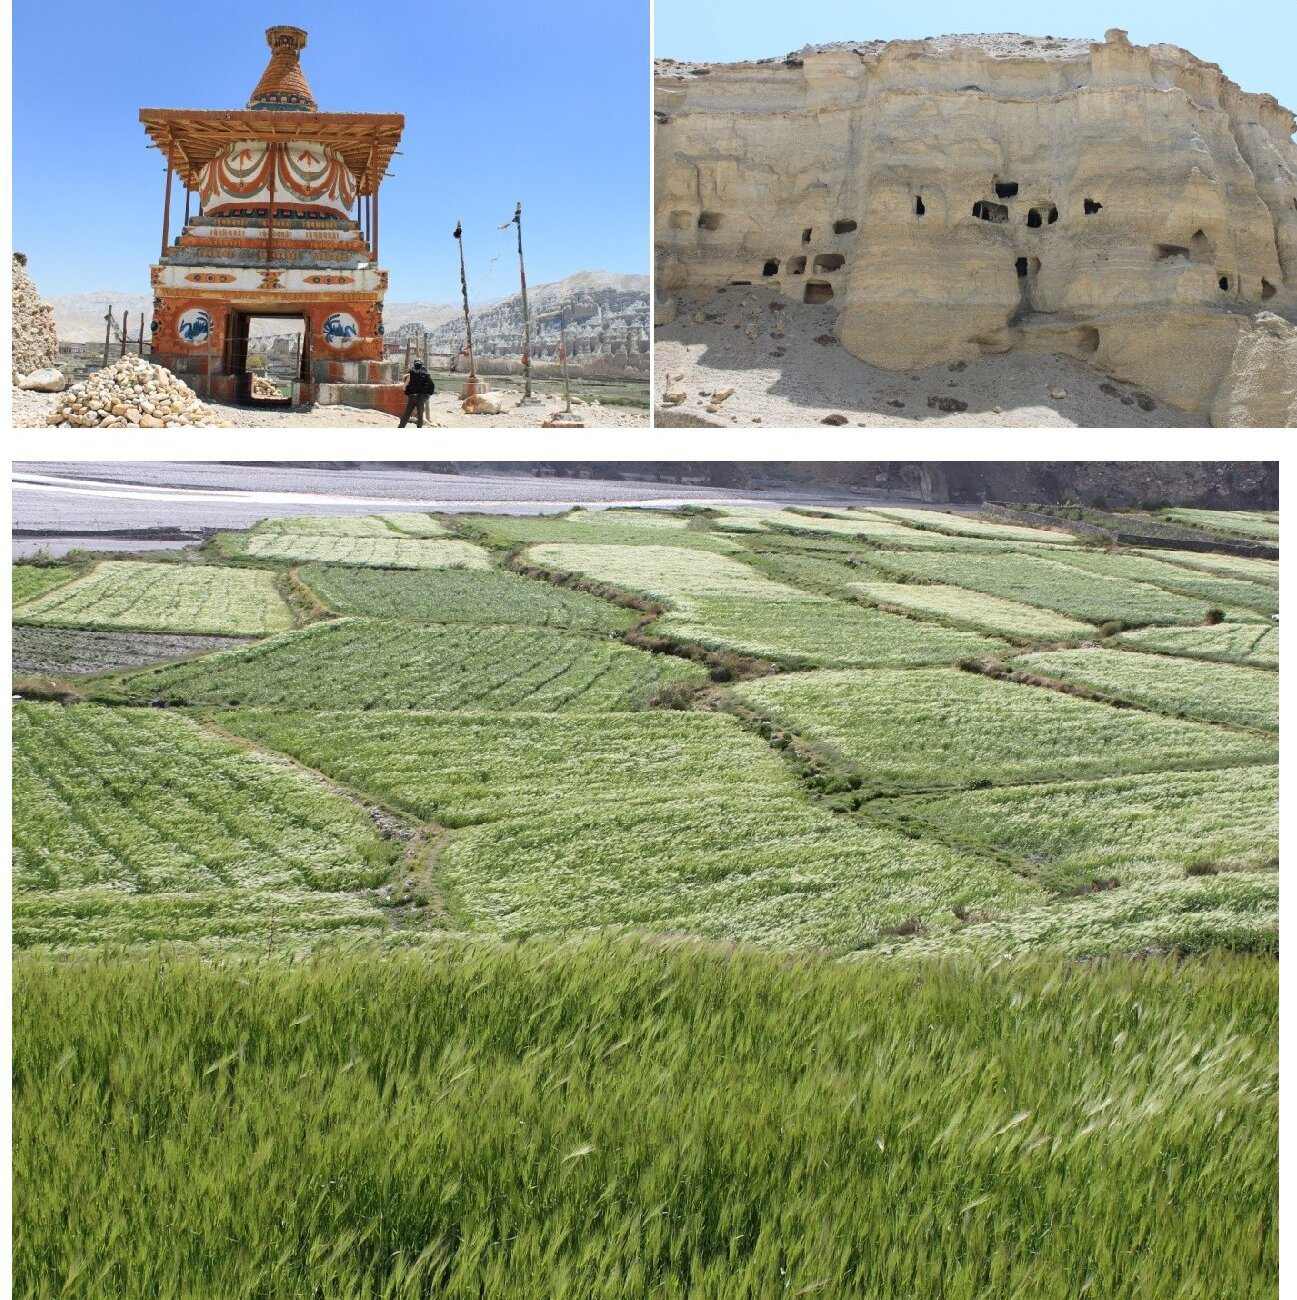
503	100
1252	40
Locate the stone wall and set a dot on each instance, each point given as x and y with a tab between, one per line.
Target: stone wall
35	344
965	196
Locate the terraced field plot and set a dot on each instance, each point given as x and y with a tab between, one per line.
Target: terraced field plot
1147	827
389	552
401	523
966	526
664	573
134	826
1244	523
825	573
870	529
461	596
1236	643
675	822
628	518
1229	566
723	604
587	528
830	634
1245	697
1216	590
31	580
973	609
937	727
66	650
1049	584
368	664
200	598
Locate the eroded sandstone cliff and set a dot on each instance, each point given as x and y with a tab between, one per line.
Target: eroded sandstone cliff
968	195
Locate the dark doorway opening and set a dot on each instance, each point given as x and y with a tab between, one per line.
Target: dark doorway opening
1091	207
709	221
844	226
919	209
796	265
268	353
1006	189
771	267
1021	267
1167	251
817	292
1224	283
806	235
829	262
986	211
1267	290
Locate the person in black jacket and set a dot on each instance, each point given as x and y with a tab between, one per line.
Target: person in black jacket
418	388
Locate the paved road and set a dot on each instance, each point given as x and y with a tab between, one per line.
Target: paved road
84	502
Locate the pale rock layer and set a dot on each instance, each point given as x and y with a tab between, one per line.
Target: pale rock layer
964	196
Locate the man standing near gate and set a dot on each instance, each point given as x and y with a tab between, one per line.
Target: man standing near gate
418	388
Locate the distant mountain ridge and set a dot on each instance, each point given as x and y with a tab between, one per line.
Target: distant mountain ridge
79	317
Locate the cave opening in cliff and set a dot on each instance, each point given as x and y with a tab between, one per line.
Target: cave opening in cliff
829	262
1224	283
817	291
1200	247
985	211
1005	189
1167	251
1033	219
709	221
1053	215
844	227
919	209
1267	290
806	235
771	267
796	265
1091	207
1021	267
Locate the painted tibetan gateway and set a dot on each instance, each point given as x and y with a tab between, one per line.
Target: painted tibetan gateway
280	221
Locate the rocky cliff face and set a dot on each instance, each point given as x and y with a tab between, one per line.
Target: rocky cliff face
969	195
607	320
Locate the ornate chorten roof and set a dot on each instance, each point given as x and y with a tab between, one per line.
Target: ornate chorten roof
283	85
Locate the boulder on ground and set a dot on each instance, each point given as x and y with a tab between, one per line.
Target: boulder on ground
47	379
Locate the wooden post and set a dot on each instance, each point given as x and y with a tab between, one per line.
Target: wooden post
374	224
140	347
187	193
270	224
562	351
526	318
166	211
458	234
121	352
408	344
108	332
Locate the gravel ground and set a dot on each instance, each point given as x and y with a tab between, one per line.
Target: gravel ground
786	377
30	411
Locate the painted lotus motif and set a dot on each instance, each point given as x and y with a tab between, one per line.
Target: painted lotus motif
341	329
194	326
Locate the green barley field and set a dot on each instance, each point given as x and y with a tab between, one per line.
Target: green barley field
736	902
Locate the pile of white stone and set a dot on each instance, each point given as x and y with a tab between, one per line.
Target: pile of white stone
36	345
132	393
